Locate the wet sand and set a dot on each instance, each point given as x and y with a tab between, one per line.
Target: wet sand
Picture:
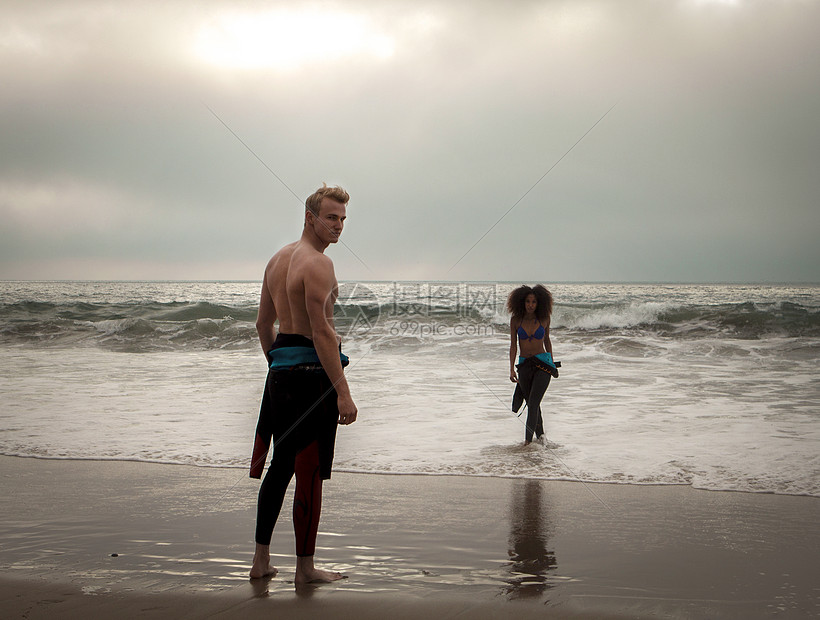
124	539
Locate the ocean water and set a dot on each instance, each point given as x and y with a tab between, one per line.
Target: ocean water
714	386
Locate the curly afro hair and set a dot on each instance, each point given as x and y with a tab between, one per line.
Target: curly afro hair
518	297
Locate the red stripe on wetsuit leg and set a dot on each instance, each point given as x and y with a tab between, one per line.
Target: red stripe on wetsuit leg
307	500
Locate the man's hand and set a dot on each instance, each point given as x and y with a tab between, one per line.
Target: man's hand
347	410
513	378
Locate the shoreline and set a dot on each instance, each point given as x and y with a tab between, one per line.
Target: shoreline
243	468
409	543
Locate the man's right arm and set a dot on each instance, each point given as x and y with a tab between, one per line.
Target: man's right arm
265	318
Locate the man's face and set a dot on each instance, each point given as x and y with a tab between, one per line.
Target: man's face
329	223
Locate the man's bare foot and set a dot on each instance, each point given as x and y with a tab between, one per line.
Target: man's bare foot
261	563
318	576
257	572
307	573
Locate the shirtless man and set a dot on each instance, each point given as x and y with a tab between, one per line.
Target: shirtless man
306	394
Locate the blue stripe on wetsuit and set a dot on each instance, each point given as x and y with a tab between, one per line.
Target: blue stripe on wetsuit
544	357
287	357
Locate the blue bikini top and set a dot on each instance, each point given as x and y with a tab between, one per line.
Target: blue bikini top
538	334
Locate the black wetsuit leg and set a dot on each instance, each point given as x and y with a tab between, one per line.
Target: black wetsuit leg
272	493
307	499
534	383
299	412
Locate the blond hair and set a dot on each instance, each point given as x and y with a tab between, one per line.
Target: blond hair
314	201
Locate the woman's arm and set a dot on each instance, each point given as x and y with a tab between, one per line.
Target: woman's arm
513	350
547	341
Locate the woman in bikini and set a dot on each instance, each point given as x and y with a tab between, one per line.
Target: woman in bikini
531	308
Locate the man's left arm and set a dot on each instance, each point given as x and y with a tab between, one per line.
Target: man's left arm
319	303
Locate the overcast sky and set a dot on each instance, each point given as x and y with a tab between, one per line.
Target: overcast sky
118	160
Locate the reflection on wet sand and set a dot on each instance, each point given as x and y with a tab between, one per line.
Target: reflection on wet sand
530	558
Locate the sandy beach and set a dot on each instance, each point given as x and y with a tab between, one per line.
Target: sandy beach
129	539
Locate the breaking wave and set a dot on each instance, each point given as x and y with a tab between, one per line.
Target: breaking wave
175	325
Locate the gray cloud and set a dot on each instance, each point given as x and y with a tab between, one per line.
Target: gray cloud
705	169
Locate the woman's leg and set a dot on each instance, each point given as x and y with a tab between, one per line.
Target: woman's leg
525	378
539	384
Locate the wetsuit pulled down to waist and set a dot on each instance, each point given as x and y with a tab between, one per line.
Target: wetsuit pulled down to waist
299	414
534	374
290	351
542	361
299	404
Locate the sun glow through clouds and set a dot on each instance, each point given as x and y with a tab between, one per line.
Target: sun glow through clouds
287	40
717	2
